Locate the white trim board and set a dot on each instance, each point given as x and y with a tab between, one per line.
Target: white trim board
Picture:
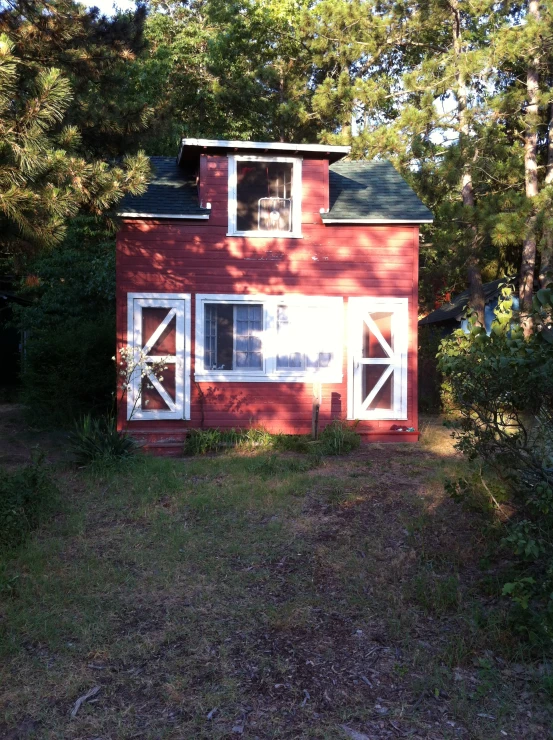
266	145
376	221
269	373
178	305
162	215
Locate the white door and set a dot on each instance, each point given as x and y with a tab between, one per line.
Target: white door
377	353
159	332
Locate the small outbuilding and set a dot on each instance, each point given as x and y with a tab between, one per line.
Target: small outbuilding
267	275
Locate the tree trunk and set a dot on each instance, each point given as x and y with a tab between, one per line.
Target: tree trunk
547	251
528	263
476	292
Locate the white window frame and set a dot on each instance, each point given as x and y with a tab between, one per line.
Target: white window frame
135	302
296	196
400	307
269	372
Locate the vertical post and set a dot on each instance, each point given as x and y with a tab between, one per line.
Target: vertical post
316	405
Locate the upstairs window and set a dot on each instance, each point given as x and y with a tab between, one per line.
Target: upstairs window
264	196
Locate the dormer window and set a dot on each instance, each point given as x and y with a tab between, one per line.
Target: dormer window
264	196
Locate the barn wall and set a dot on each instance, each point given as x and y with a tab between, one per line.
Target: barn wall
334	260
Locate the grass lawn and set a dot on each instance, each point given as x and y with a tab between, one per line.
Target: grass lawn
262	596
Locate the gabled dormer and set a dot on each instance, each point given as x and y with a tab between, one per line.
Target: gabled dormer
265	182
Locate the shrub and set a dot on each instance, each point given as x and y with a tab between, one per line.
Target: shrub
70	326
501	387
339	438
96	440
26	497
202	441
292	443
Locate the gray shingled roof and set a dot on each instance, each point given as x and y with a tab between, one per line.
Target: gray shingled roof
372	191
456	308
171	192
358	190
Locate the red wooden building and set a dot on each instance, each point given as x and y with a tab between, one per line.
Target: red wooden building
262	273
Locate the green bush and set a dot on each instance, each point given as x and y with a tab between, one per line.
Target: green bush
96	440
27	496
338	438
202	441
501	388
70	326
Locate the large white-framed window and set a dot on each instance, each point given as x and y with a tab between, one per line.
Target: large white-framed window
264	196
378	338
159	330
261	338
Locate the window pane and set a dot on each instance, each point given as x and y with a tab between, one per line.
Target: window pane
218	348
264	196
233	336
383	400
372	341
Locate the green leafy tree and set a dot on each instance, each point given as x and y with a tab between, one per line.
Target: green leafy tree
441	89
410	76
523	103
228	70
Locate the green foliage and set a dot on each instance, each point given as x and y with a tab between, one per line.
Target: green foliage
44	177
27	496
292	443
338	438
96	440
502	390
111	102
429	378
202	441
70	326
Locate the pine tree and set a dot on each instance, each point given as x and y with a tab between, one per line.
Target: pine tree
43	179
112	102
528	261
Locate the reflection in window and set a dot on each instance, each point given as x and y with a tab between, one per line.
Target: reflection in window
303	336
264	196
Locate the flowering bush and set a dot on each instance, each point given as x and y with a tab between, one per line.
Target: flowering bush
134	370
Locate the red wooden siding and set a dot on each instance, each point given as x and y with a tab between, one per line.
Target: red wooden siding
334	260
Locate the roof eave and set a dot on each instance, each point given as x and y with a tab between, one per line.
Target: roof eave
133	214
377	220
334	153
